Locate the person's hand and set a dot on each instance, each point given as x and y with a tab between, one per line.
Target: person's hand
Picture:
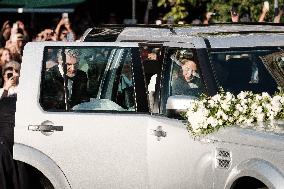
53	36
8	82
48	31
8	44
265	7
61	22
209	15
68	26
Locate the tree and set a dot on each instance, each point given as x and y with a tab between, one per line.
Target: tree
179	9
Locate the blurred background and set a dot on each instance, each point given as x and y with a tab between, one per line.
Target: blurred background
38	15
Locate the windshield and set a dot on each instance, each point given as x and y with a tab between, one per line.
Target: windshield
245	69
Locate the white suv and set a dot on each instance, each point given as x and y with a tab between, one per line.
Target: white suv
126	132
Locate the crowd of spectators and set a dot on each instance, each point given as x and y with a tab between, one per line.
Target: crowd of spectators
234	14
14	36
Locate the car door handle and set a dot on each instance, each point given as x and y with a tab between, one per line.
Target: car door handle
45	128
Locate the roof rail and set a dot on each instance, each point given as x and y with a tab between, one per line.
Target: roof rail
188	25
110	32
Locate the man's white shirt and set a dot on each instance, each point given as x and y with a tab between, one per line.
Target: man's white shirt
70	82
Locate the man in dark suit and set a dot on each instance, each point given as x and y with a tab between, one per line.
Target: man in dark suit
54	93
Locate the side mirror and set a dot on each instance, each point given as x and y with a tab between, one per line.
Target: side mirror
178	104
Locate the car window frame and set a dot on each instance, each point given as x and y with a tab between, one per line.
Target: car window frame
140	92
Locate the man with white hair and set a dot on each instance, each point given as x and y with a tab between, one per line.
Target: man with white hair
72	90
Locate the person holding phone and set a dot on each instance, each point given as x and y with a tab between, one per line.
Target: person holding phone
265	10
64	29
11	74
8	98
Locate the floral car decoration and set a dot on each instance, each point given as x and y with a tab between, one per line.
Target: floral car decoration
224	109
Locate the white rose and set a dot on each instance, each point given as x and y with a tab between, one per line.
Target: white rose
231	119
219	113
282	100
265	95
229	96
260	117
225	117
268	107
259	110
258	97
242	95
211	103
249	121
212	121
239	108
225	106
236	113
216	98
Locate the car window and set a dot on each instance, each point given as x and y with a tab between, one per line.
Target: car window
274	63
87	79
181	75
118	85
242	69
185	75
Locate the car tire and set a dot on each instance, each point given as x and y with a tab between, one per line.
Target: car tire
45	183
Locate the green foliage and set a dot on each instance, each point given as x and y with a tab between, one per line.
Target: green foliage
179	8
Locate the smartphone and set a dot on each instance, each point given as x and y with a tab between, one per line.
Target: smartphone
65	17
9	75
15	25
14	29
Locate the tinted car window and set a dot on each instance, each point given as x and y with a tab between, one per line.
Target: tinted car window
242	69
118	85
87	78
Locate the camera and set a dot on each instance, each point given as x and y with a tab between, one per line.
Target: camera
9	75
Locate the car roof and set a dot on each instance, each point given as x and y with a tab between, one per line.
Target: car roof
218	35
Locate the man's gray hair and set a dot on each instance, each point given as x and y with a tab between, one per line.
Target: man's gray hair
68	52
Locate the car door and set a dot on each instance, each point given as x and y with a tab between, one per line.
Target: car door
176	159
102	141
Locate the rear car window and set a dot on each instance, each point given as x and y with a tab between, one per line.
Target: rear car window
243	69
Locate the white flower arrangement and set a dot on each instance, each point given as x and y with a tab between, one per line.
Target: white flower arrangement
225	109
